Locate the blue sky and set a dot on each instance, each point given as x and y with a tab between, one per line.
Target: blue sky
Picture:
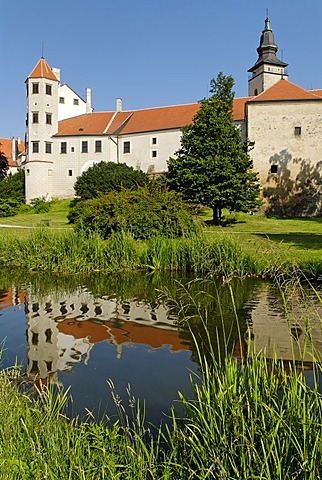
149	52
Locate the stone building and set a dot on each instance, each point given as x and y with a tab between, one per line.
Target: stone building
65	136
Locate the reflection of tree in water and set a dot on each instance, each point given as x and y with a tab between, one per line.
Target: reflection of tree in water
215	309
289	195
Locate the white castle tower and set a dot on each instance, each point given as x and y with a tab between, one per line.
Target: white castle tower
42	124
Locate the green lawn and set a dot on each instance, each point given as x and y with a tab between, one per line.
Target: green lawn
295	239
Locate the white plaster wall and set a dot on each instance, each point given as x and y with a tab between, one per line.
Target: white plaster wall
265	77
76	161
168	142
39	178
68	109
271	126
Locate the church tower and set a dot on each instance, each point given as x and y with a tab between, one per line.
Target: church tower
268	69
41	124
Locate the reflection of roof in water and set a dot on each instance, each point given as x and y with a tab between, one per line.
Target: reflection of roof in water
126	332
10	298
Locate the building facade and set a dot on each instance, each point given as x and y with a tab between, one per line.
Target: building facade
65	136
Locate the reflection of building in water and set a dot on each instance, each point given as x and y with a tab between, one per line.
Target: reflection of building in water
11	297
62	332
295	335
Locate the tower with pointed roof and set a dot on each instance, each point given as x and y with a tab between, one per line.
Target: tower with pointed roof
268	69
41	124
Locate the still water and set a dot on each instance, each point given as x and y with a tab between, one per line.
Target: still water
81	332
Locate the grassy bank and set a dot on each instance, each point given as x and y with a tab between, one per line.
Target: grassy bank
219	254
249	420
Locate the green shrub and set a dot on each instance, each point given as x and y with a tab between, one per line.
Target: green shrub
13	187
9	207
105	177
145	212
40	205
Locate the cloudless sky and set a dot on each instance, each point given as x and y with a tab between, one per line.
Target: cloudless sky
149	52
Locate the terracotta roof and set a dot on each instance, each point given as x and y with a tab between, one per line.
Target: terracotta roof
94	123
239	108
43	70
316	92
160	118
284	90
6	148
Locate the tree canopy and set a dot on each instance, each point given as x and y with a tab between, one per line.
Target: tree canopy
105	177
3	165
213	166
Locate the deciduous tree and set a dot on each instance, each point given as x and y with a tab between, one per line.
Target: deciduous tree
213	166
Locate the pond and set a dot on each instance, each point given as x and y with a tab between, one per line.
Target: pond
81	332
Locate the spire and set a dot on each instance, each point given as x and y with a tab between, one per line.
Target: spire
267	48
43	70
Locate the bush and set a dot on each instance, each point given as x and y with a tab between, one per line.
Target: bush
9	207
145	212
13	187
105	177
40	205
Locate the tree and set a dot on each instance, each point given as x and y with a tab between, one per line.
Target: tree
213	166
105	177
3	165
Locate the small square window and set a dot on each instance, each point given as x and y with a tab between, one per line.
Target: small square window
273	168
35	147
28	171
84	147
297	130
35	88
98	145
70	172
35	117
72	149
50	172
154	153
48	118
126	147
63	147
48	89
154	140
61	99
76	101
48	147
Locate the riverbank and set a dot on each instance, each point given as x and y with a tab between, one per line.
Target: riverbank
249	419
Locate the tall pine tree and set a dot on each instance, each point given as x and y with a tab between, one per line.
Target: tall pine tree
213	166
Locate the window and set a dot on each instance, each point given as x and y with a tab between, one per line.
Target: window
297	130
84	147
35	88
76	101
70	172
50	172
98	145
48	118
61	99
63	147
153	140
126	147
35	117
28	171
256	92
48	89
72	149
273	168
48	147
35	147
154	153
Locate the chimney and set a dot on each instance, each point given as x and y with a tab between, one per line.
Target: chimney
56	72
88	100
118	104
13	149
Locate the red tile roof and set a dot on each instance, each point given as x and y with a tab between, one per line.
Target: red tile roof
43	70
138	121
284	90
316	92
94	123
6	148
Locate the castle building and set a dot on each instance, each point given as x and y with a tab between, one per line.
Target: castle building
14	151
65	136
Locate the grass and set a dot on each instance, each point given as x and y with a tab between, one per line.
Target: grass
250	418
